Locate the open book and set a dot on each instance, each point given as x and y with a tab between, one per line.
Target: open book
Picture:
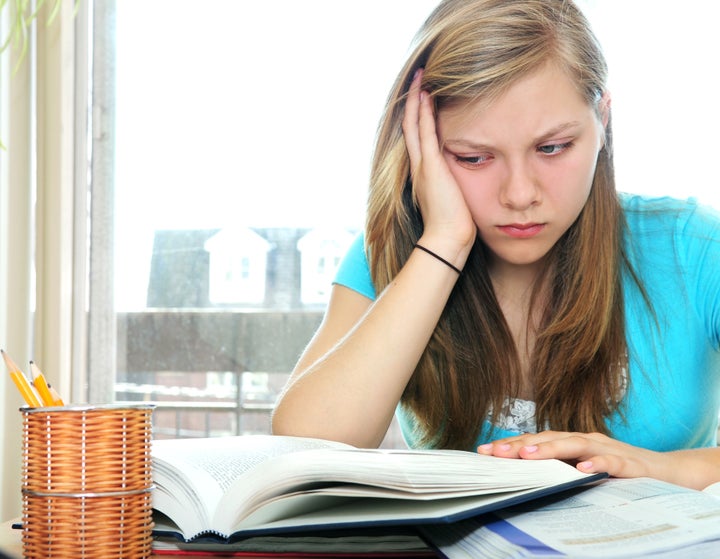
231	488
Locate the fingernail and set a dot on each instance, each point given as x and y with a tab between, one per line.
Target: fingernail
505	446
585	465
485	448
530	449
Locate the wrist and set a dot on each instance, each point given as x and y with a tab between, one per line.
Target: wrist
694	468
453	253
439	258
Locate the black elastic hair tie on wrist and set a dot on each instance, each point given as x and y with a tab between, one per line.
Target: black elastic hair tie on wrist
440	258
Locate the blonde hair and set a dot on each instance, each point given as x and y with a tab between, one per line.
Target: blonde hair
476	49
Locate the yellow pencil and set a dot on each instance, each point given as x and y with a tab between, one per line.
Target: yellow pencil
38	379
21	382
9	363
57	400
24	387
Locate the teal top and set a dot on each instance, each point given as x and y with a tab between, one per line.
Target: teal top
672	399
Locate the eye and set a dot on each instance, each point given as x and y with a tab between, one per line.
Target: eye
554	149
472	161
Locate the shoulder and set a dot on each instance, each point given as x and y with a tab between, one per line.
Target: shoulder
354	270
673	219
673	249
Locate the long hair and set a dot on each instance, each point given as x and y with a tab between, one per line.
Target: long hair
477	49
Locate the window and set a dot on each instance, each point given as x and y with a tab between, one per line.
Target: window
243	135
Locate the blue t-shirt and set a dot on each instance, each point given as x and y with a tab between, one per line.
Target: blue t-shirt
673	394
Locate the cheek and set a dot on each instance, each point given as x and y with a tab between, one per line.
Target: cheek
586	174
478	194
573	181
476	188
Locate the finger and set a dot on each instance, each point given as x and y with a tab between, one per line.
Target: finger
573	446
534	437
410	123
549	444
429	146
508	446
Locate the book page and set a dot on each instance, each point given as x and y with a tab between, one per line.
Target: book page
399	474
713	489
624	516
191	475
306	510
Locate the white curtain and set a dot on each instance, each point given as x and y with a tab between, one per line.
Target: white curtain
38	287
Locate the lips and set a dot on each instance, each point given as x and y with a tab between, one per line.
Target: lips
522	230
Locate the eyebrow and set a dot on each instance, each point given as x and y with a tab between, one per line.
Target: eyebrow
461	142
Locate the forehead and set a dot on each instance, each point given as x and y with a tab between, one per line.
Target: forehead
538	101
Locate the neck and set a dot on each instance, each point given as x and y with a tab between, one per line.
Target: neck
513	282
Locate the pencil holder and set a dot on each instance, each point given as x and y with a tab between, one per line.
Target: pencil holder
87	482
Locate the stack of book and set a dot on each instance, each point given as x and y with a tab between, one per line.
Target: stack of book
270	495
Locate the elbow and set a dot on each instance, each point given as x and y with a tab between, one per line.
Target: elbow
285	423
287	418
279	424
302	415
288	421
293	416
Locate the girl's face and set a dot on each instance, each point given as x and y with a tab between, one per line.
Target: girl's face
525	163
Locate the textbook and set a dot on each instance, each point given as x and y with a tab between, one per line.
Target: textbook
226	489
638	517
356	543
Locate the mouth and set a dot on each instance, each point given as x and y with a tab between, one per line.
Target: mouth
522	230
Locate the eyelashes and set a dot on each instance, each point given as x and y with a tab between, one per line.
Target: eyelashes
554	149
473	159
476	161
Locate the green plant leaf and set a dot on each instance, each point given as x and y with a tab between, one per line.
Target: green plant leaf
23	19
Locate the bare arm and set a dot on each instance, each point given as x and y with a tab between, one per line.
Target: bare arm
350	378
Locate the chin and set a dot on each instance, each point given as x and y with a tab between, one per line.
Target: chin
521	256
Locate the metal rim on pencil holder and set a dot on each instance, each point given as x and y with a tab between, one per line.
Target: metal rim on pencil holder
89	495
88	407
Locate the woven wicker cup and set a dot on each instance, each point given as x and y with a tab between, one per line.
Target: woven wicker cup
87	482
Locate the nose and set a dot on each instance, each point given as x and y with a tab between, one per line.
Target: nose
520	189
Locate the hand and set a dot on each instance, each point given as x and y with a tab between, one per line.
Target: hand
445	214
590	452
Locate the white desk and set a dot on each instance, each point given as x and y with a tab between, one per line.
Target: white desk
10	542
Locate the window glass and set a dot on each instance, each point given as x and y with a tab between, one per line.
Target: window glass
235	118
244	133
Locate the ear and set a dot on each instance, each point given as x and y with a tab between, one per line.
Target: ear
604	109
603	113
